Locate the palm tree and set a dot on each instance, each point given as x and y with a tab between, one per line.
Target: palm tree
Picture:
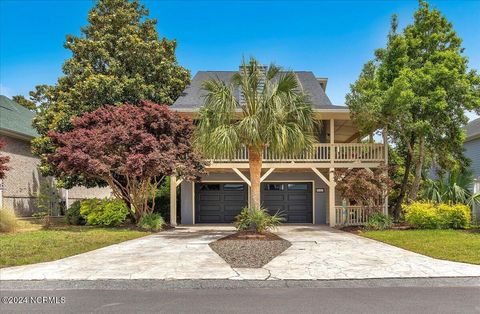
260	108
453	188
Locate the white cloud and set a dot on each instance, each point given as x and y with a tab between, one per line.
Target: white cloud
4	90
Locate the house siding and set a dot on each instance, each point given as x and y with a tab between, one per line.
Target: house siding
472	151
22	182
320	199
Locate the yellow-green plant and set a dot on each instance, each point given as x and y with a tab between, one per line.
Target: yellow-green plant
104	212
437	216
453	216
8	220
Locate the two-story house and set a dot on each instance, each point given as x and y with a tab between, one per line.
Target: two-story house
302	187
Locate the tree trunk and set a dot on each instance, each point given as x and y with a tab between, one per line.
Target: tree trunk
397	209
418	169
255	163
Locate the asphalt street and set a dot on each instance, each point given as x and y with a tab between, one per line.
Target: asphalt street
246	300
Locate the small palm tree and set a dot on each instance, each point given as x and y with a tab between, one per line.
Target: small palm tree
453	188
260	108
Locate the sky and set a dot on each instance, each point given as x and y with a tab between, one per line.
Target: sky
331	38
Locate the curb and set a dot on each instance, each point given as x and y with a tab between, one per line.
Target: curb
235	284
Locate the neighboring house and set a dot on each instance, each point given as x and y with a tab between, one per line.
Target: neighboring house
301	187
23	181
472	151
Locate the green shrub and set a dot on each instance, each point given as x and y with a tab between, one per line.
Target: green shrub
421	215
257	219
103	212
8	220
453	216
378	221
73	215
152	222
441	216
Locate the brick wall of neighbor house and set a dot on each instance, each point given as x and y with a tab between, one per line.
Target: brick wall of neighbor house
23	180
80	192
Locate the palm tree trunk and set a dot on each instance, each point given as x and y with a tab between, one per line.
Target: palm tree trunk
255	163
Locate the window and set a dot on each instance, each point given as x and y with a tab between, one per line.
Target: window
273	187
298	186
233	187
209	187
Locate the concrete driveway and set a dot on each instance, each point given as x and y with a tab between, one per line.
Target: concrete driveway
317	252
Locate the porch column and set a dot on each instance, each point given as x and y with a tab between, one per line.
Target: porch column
173	200
332	140
331	180
331	198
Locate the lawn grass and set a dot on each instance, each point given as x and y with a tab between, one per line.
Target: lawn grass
452	245
31	244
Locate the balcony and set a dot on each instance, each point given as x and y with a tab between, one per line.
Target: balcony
321	153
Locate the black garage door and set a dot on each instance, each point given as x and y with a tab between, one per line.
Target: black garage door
293	199
219	202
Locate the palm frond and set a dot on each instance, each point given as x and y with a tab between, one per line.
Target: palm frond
276	113
452	189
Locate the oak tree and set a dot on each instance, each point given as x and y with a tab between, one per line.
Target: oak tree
418	87
118	58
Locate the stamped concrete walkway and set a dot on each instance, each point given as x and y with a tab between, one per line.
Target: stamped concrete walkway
317	252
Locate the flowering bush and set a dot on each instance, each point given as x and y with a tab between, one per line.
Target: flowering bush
442	216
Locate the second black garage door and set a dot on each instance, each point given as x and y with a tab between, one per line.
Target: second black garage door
219	202
293	199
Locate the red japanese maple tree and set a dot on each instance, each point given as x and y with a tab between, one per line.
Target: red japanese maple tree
365	186
3	161
132	148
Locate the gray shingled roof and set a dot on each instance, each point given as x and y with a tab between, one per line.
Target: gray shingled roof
473	129
193	96
16	118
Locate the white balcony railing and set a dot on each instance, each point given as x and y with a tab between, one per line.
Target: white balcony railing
323	152
353	215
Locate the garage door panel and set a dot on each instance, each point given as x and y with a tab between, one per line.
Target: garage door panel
298	219
300	207
299	197
209	197
234	197
219	202
270	197
272	208
294	201
210	218
209	210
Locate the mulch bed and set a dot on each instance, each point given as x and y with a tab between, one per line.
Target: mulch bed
473	230
358	229
249	249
